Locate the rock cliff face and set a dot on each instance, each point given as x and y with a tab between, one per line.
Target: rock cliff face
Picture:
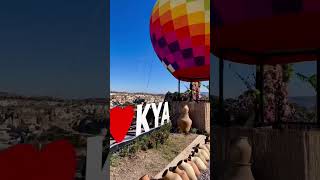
40	120
25	120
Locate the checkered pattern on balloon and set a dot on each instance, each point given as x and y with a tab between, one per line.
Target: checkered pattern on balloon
180	35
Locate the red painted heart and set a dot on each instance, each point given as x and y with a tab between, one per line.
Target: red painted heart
120	121
56	160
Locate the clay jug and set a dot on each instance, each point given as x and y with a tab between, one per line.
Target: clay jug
195	167
145	177
168	175
201	166
208	146
181	173
207	142
240	150
207	139
188	169
240	172
203	147
203	153
240	155
184	121
201	157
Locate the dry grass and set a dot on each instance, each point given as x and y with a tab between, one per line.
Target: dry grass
151	161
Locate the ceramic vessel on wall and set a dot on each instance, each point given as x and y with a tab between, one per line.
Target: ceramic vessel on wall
240	172
207	142
240	150
240	155
201	158
200	155
184	121
204	153
194	166
181	173
208	146
188	169
201	166
204	147
168	175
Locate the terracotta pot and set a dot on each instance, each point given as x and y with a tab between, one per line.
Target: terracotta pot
205	152
207	142
145	177
201	157
181	173
168	175
240	150
201	166
188	169
184	121
207	139
208	146
195	167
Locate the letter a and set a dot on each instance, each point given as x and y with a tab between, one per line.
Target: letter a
165	114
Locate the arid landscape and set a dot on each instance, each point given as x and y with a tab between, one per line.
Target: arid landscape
40	120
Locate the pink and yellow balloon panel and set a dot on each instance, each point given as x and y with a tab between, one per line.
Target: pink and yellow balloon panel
180	35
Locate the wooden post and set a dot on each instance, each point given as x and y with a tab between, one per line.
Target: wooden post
318	88
191	91
261	94
220	122
221	108
259	86
179	89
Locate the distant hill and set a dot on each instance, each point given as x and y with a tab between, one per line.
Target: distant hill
305	101
7	95
145	93
205	94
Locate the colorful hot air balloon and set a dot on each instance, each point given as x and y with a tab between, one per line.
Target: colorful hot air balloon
180	35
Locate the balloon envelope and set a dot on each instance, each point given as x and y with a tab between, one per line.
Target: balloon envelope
180	35
265	31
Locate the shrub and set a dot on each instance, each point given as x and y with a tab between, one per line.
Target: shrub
145	142
194	130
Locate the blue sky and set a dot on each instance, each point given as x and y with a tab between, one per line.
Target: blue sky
54	48
134	66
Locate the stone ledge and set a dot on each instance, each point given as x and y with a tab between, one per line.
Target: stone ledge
183	155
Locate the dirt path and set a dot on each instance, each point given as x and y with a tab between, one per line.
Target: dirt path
151	161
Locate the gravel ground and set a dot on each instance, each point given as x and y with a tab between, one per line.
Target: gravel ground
206	174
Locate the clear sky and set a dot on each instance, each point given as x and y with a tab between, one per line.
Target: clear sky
53	48
134	66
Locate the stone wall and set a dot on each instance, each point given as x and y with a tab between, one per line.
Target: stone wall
276	154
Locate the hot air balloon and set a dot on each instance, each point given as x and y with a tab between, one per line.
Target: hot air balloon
180	35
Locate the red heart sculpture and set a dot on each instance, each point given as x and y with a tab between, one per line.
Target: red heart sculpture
55	161
120	121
